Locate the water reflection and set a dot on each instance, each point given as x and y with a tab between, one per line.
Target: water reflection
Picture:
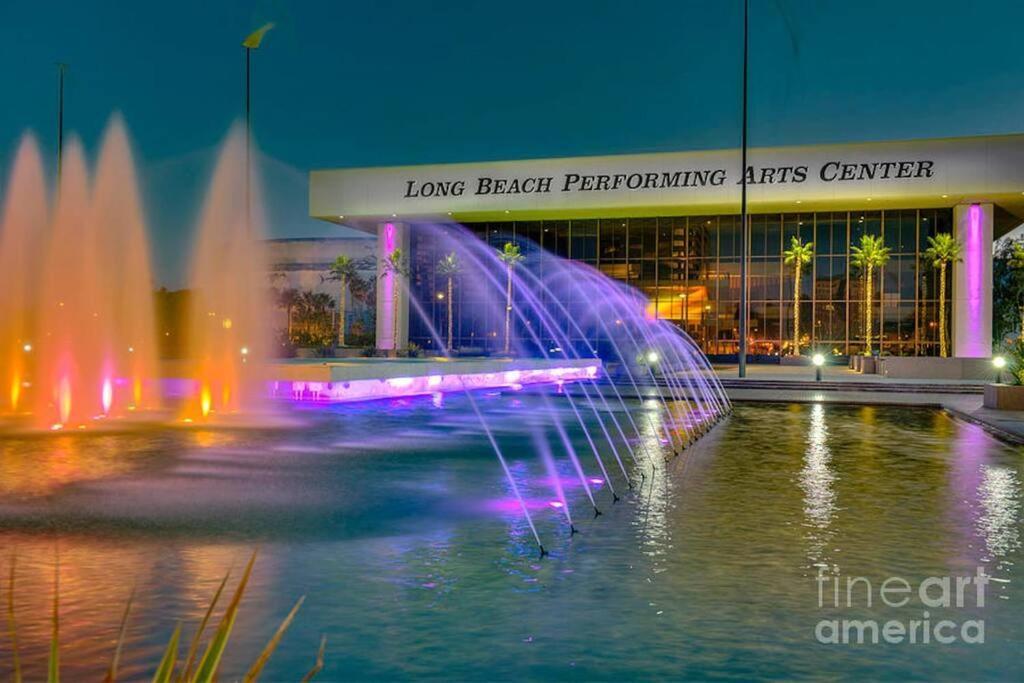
817	479
999	523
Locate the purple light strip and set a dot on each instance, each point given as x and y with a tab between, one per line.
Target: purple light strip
397	387
974	345
388	290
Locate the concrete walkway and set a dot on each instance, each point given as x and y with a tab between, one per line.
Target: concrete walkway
841	385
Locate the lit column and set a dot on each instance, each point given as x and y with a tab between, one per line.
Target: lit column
972	282
392	236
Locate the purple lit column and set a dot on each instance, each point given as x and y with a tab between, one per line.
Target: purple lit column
972	282
391	236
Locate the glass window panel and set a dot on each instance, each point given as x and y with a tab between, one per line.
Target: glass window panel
642	235
583	243
612	239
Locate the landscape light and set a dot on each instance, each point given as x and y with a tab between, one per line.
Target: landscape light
26	348
818	359
999	362
652	357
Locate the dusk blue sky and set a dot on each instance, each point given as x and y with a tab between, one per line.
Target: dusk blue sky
346	83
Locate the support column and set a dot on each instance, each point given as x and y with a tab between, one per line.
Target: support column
972	282
392	236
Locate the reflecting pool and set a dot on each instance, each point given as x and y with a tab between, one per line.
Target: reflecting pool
396	522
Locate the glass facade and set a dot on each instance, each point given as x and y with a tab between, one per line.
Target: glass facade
689	269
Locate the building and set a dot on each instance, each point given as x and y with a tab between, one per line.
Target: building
668	224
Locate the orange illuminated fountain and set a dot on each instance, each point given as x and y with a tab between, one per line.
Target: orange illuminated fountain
96	342
128	358
21	231
227	331
67	387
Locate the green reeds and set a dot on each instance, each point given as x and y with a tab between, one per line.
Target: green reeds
206	670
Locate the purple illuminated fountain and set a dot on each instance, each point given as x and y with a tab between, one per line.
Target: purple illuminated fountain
657	395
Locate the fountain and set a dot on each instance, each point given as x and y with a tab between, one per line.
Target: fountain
78	345
23	224
78	339
567	310
228	334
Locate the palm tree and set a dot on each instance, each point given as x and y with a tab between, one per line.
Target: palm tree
396	265
1016	263
943	249
287	299
449	267
511	256
869	255
345	270
797	255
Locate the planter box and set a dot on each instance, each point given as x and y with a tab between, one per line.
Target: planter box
867	365
929	367
347	352
307	352
795	360
1004	397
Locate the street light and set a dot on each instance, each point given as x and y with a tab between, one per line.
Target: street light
999	362
818	360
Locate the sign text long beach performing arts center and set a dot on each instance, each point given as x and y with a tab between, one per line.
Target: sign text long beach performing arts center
829	172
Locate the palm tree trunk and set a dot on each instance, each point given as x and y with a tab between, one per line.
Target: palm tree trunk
942	311
868	282
450	326
508	309
796	311
341	312
394	319
288	310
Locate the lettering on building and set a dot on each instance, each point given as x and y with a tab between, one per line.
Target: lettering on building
833	171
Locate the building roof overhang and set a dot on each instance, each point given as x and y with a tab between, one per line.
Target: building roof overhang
931	173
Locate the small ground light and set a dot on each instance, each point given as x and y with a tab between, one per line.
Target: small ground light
652	357
245	350
26	348
818	360
999	362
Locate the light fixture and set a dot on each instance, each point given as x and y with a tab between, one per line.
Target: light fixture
652	357
999	362
818	359
26	348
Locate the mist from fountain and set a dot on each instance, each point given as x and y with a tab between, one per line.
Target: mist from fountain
22	226
228	336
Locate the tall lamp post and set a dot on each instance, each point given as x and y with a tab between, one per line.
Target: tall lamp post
61	68
743	203
251	42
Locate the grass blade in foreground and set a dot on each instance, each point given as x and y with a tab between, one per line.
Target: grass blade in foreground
319	661
210	662
193	648
112	673
12	626
261	661
53	673
166	669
